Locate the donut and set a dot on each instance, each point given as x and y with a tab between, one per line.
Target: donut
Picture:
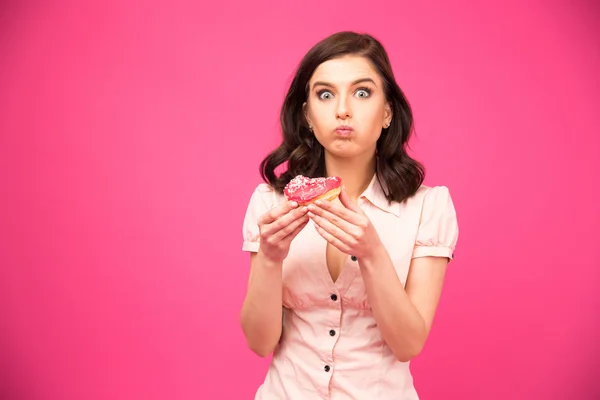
304	190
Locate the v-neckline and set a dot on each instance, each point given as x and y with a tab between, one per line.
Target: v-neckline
340	259
345	276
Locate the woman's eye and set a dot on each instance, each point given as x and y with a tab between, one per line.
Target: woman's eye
324	95
363	93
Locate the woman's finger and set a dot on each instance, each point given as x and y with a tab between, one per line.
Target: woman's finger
339	210
331	229
348	203
283	221
332	239
290	228
286	240
277	212
335	219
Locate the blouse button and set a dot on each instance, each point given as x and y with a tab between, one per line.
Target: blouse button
354	258
334	297
327	368
332	333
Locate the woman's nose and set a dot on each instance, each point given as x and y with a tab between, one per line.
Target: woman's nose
343	109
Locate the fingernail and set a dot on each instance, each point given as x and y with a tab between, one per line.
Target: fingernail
294	204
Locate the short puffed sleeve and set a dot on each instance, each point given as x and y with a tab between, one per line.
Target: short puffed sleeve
437	234
261	201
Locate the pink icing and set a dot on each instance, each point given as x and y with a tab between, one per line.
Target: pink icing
303	189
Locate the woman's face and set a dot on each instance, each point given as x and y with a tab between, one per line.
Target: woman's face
346	106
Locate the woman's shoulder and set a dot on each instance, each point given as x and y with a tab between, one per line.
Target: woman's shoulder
427	199
427	193
438	223
264	188
266	194
435	202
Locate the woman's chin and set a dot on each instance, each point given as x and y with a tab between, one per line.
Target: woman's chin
342	152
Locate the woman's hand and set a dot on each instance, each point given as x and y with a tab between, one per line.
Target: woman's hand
345	226
278	228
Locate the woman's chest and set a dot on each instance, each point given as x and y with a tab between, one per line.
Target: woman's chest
314	271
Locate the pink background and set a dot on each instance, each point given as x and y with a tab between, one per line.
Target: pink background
130	137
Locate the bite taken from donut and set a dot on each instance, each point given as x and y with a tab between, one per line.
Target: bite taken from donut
304	190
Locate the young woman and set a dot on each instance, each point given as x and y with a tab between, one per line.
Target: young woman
343	293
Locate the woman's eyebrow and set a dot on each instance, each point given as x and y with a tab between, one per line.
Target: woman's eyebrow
356	82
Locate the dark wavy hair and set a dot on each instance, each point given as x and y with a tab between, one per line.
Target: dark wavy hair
399	175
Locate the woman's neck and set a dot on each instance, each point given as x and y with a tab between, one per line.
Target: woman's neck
356	173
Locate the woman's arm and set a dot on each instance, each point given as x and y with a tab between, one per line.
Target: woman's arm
261	314
261	311
404	316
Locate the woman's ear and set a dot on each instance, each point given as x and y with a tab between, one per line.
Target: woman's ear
387	115
306	117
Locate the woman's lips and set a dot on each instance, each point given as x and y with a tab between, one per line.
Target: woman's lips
344	130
